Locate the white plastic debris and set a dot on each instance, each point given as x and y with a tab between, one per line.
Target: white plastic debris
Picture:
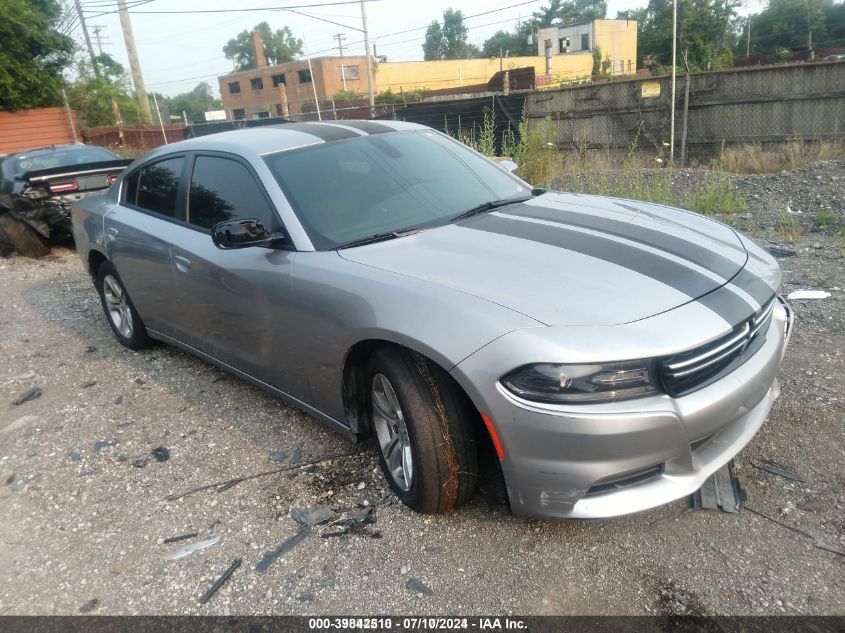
193	547
808	294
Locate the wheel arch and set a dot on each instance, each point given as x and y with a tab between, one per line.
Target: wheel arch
95	260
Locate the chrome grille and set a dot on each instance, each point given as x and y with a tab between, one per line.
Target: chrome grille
685	372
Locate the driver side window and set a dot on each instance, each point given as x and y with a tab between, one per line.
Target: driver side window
222	190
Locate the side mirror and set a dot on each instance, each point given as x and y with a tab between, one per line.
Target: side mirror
242	234
508	165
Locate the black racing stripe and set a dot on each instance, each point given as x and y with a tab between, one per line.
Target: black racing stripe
321	131
677	276
368	126
661	240
753	285
728	305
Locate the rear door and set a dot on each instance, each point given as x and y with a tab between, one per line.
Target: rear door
138	233
234	304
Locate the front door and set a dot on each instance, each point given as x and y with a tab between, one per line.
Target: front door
234	304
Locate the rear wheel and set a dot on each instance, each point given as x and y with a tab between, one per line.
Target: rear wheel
120	312
424	429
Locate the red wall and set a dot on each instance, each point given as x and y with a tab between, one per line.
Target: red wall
28	129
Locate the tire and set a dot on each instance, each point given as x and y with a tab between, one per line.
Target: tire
437	436
119	309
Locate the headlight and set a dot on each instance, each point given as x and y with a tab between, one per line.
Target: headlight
602	382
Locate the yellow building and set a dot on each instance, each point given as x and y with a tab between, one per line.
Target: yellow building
615	39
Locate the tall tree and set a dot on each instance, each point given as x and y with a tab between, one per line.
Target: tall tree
450	40
280	46
575	11
788	24
91	96
194	102
706	29
32	54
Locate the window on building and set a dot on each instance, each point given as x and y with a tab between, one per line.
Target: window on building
278	109
264	114
278	79
352	72
234	87
563	45
158	186
222	190
304	76
238	113
585	41
256	83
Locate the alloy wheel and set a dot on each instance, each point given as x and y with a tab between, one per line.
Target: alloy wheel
117	306
392	432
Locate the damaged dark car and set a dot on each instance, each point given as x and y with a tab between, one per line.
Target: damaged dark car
38	187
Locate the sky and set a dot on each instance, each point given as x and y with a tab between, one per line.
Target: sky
177	51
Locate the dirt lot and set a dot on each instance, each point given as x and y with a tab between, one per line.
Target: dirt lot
84	509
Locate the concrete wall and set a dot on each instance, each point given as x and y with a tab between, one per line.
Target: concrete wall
768	104
28	129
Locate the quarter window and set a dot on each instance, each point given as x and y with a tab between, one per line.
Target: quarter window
158	186
222	190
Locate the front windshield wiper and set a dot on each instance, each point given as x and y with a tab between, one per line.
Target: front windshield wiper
378	237
488	206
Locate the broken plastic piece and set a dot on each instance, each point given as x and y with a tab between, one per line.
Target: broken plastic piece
284	546
420	587
780	252
193	547
780	470
161	454
808	294
720	490
181	537
312	517
220	581
26	396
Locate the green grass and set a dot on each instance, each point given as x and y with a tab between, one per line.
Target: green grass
717	198
826	219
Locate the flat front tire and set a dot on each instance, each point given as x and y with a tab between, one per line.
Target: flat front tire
423	425
119	310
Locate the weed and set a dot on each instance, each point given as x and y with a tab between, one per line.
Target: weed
755	159
789	228
826	219
717	197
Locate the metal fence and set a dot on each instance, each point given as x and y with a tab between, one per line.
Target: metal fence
766	105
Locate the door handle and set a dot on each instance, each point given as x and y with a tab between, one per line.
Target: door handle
182	263
112	232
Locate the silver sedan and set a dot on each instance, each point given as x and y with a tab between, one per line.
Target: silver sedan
599	356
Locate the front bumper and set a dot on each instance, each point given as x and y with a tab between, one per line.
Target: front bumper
597	461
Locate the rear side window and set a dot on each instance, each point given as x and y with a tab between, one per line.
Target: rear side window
130	187
222	190
158	186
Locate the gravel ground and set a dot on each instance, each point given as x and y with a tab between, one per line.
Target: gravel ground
84	509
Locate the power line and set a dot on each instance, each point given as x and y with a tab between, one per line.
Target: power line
276	8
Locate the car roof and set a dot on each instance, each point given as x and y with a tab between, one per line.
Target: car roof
267	139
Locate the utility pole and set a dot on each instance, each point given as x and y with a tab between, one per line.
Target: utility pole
134	64
674	59
97	30
748	40
370	78
87	38
340	37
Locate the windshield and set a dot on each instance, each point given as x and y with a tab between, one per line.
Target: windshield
348	190
65	157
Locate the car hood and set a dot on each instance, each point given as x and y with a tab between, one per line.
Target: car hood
571	259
